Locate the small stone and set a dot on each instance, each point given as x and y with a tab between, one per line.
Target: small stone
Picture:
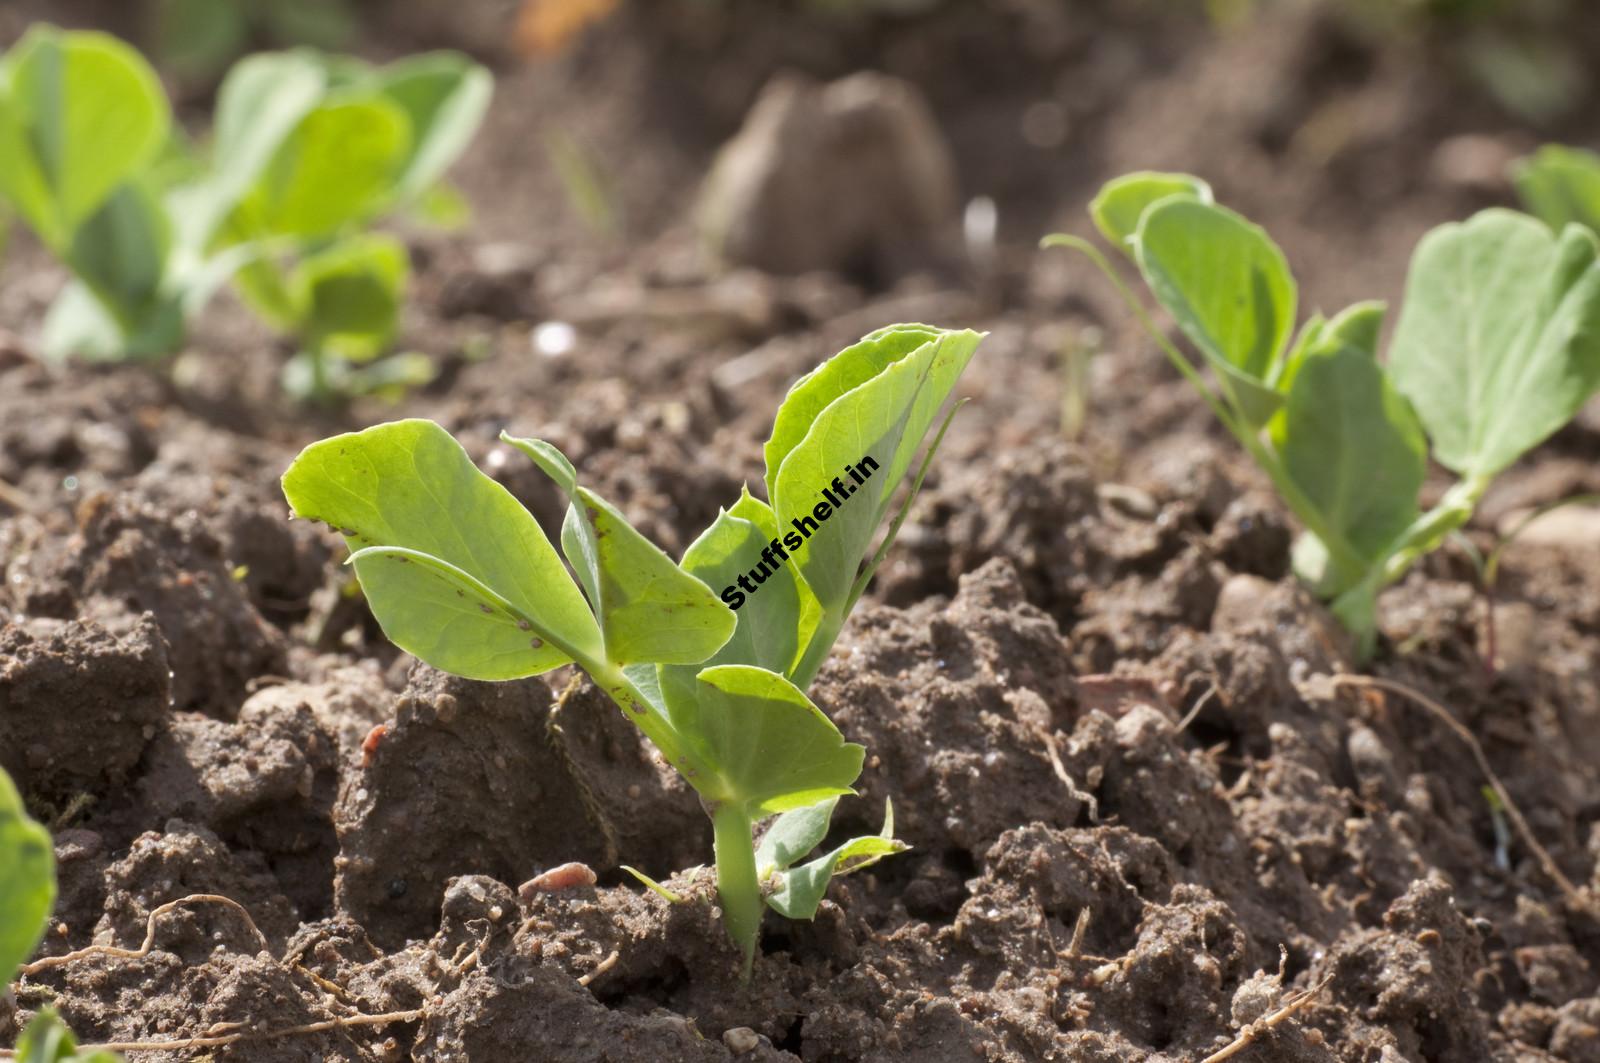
740	1039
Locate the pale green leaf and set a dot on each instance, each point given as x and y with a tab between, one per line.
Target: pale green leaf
338	167
800	889
446	95
793	835
880	421
81	113
1498	344
850	368
1228	287
409	484
1352	446
769	748
260	104
650	609
349	295
1116	210
1356	325
27	881
1560	185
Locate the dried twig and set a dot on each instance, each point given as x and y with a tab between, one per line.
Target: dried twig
222	1033
1188	717
1080	927
15	498
1251	1031
1073	791
605	965
215	1040
143	950
1421	700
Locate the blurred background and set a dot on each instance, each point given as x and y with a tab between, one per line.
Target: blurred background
676	193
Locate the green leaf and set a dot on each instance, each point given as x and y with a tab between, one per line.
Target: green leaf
47	1040
1123	201
261	102
1498	344
27	881
121	250
1357	325
80	114
849	369
1230	290
793	835
883	418
350	295
408	484
1352	446
653	886
800	890
770	622
769	748
337	168
650	610
446	95
1560	185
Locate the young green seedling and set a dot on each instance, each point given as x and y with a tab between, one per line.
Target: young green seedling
1560	186
1497	346
311	150
27	894
709	657
82	118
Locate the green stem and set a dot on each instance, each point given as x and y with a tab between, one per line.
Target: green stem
1338	549
737	884
636	707
818	648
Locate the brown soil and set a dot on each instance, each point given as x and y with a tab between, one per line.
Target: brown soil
1095	697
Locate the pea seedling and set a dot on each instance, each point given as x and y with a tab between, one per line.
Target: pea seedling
1497	346
309	151
83	119
459	574
27	894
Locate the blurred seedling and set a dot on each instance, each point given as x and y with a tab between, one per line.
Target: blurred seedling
1078	351
459	574
1497	347
308	152
311	150
1560	186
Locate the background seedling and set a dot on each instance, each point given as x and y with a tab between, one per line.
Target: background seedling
1497	346
309	151
1560	186
459	574
82	120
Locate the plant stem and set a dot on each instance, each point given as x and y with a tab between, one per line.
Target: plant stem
737	884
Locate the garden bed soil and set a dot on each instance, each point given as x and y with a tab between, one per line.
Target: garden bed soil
1141	815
